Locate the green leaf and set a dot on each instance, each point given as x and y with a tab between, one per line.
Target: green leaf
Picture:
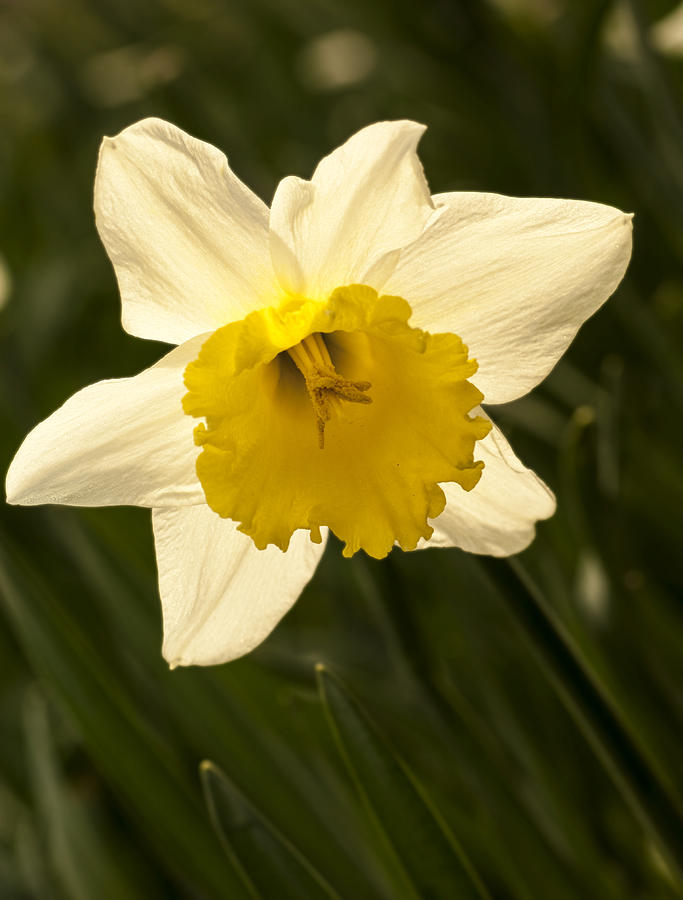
268	864
431	860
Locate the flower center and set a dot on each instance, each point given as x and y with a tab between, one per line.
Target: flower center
326	388
387	447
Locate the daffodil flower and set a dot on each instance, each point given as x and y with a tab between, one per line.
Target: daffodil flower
324	375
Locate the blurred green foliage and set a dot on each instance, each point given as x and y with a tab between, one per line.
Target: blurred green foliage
100	793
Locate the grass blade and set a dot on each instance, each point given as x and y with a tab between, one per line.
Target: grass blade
268	864
129	754
593	712
86	857
432	862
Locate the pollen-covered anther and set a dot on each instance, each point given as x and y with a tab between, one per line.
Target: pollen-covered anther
325	386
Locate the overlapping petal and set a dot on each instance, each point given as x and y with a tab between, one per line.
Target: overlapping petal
498	517
220	595
125	441
364	202
188	241
514	277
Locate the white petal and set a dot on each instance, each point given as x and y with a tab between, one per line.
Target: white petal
514	277
220	595
118	442
367	198
188	240
498	516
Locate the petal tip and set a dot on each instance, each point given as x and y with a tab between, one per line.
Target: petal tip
15	493
551	507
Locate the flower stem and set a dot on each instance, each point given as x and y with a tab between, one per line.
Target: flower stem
615	745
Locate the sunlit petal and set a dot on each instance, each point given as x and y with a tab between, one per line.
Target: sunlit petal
499	517
188	240
366	199
220	595
514	277
123	441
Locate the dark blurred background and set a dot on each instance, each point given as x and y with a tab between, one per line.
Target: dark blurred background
100	795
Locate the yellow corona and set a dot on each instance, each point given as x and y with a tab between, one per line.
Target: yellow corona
335	413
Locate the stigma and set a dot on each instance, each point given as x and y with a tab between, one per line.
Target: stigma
326	387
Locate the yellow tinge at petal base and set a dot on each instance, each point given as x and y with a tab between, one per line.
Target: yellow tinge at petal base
374	479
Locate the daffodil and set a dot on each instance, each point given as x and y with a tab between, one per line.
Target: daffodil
332	355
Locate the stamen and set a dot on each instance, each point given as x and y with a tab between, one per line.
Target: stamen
321	346
302	360
326	388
